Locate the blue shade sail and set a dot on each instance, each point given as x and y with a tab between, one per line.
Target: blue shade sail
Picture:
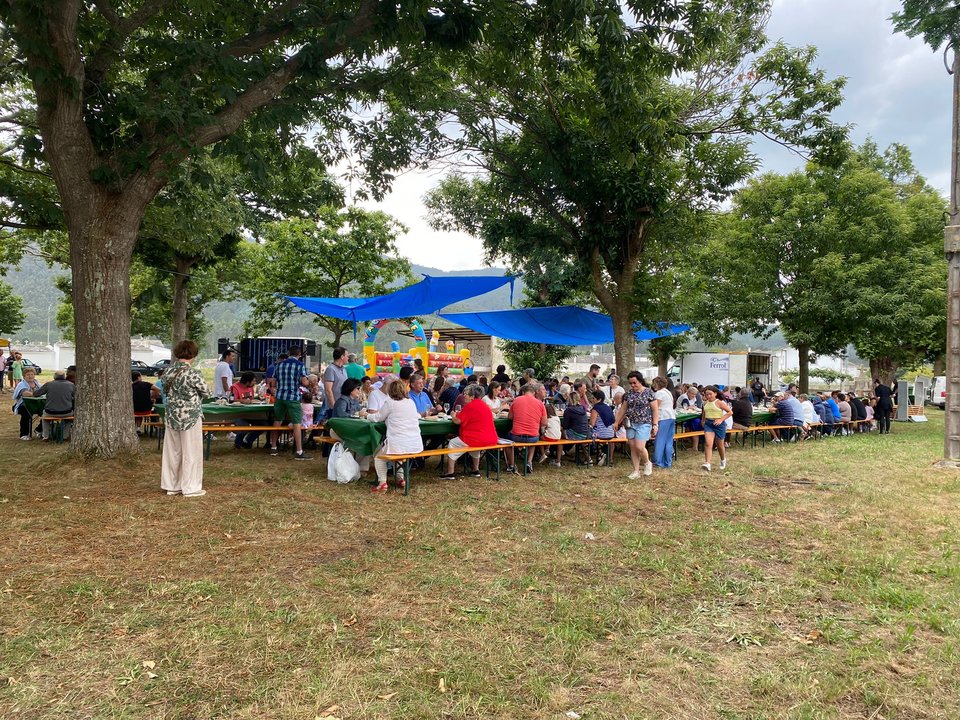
428	296
565	325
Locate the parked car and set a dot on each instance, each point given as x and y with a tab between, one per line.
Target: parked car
31	364
161	365
141	367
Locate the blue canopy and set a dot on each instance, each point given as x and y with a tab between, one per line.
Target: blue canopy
428	296
565	325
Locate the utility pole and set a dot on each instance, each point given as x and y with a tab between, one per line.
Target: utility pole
951	246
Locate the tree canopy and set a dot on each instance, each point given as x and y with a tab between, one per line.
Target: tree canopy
637	119
336	253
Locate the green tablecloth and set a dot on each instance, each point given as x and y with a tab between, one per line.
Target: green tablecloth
213	412
364	437
760	417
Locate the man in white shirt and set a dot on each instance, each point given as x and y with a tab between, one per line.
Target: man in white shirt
223	375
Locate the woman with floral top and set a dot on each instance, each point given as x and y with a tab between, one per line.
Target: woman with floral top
639	412
183	440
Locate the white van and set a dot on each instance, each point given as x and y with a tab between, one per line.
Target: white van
938	393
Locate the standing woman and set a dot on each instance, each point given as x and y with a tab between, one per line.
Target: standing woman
641	411
663	445
184	387
715	414
884	396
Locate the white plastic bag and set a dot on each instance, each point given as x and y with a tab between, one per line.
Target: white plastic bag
347	467
335	452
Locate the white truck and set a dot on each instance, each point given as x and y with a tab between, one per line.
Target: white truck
729	369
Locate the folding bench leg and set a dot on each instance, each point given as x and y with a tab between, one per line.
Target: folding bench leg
406	476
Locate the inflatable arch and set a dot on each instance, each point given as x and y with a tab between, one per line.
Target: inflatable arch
380	362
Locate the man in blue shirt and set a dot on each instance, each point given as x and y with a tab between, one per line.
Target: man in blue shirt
421	398
290	376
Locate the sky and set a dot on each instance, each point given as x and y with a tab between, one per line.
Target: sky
897	91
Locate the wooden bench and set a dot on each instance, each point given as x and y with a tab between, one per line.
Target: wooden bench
56	425
209	429
405	459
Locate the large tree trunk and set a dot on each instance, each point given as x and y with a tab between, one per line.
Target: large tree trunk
624	341
663	360
101	245
883	368
180	329
803	382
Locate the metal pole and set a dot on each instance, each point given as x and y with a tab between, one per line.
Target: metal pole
951	246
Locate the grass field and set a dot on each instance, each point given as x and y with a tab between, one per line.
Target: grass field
812	581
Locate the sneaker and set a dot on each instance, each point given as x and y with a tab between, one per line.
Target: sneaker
723	464
776	440
475	473
231	436
302	456
24	437
635	475
274	451
512	470
555	463
543	458
529	469
448	476
173	492
706	466
198	493
648	469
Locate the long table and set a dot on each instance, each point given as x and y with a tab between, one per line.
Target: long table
214	412
364	436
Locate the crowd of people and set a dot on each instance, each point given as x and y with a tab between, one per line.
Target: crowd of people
592	407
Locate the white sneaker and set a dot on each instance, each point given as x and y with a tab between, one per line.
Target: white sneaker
648	469
777	440
706	466
24	437
173	492
635	475
555	463
723	464
198	493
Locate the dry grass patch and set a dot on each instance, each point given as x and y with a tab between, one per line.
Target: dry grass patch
812	580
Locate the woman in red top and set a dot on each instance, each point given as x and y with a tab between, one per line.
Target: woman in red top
476	430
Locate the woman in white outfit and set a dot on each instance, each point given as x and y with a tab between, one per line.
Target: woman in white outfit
184	388
403	431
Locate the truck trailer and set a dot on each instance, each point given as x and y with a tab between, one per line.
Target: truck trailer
726	369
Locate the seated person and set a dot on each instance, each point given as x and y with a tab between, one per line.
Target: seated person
156	390
784	415
451	391
601	419
378	393
421	398
834	406
529	419
403	431
142	397
810	416
846	413
491	398
242	391
476	430
742	409
60	394
552	432
348	404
